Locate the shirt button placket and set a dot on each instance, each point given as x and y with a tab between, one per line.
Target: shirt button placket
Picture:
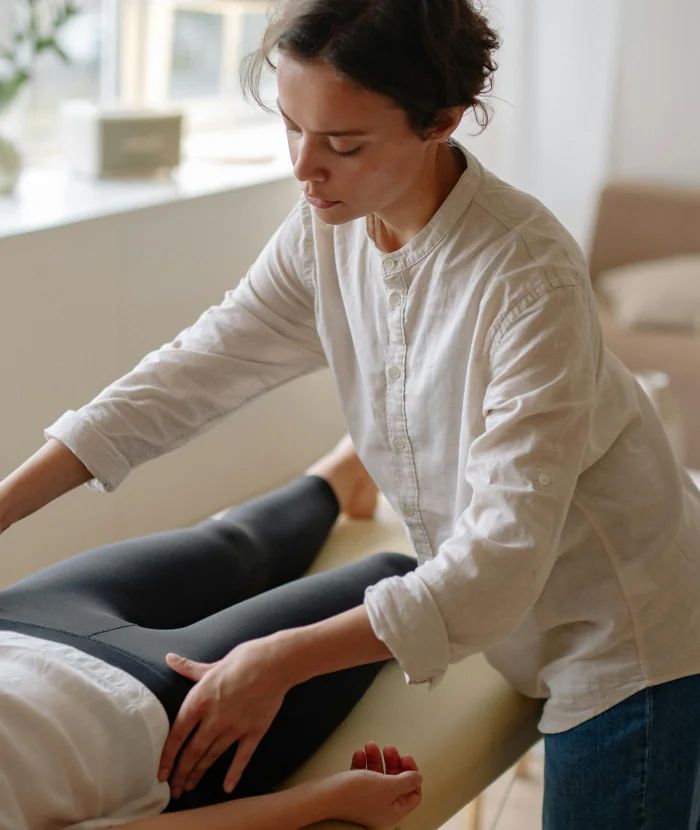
406	484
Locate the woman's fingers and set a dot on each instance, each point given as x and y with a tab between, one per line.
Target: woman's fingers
392	760
359	760
410	793
195	753
190	669
375	762
389	760
217	748
187	719
408	762
246	747
408	782
406	794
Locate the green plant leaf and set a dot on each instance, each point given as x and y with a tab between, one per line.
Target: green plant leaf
61	54
10	88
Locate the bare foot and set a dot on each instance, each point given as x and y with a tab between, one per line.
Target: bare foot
352	484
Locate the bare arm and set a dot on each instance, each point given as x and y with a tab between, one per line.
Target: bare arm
286	810
363	796
331	645
52	471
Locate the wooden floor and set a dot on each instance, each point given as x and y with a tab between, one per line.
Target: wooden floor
513	802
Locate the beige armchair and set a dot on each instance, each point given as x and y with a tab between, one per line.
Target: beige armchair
638	222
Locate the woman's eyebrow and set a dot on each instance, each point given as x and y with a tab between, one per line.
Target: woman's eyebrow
335	133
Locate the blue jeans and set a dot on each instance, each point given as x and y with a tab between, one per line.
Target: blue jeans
634	767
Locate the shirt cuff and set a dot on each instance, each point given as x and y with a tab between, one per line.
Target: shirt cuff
406	618
107	465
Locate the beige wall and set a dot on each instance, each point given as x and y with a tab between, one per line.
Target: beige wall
82	304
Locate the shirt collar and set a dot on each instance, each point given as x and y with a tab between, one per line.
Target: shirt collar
444	220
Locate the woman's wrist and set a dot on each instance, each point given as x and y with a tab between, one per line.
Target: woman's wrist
320	798
283	650
6	517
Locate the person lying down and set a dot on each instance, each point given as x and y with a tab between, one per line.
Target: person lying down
97	655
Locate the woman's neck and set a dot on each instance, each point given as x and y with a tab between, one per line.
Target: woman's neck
391	232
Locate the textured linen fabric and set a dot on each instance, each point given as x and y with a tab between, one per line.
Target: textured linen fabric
554	529
80	740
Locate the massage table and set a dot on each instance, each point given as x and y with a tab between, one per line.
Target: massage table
464	733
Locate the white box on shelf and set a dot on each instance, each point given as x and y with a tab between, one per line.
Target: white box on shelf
117	141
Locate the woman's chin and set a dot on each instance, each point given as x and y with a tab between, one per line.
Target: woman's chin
339	214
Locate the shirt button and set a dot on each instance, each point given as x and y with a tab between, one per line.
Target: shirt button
394	373
399	444
395	298
544	479
408	510
390	262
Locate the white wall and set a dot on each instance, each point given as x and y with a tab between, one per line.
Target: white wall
657	122
592	90
552	103
81	305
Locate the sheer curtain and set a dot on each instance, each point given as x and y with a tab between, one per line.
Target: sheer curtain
554	101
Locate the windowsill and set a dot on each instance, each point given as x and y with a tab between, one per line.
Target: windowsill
48	196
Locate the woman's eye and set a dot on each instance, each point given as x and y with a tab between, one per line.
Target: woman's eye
297	131
347	152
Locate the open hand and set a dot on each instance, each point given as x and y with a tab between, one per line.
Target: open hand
233	699
380	789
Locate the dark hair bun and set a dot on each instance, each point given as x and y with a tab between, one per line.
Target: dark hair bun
426	55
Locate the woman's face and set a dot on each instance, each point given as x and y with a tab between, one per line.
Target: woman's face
352	149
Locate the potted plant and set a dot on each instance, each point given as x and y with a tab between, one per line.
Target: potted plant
36	27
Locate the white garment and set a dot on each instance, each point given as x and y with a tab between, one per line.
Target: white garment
80	740
554	528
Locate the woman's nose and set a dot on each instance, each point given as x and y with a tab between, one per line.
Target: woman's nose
306	164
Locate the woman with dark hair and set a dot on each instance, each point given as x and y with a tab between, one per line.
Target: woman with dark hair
554	529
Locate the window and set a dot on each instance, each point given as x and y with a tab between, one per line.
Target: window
171	53
187	53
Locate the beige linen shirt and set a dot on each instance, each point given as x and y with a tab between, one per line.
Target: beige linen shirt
553	528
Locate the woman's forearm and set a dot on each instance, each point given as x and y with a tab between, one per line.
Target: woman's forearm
331	645
289	809
52	471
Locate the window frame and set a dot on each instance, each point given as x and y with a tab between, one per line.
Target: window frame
141	71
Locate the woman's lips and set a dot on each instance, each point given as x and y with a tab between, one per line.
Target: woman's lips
320	203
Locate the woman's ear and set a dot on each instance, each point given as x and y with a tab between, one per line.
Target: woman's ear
446	123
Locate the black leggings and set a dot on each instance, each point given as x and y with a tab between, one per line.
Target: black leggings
199	592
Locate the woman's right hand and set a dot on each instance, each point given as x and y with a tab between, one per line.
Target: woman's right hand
380	789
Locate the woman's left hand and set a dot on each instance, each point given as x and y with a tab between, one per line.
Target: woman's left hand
234	699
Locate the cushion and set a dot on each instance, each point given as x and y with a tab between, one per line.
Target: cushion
659	293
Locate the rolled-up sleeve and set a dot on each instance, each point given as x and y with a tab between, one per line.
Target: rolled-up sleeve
262	335
522	471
